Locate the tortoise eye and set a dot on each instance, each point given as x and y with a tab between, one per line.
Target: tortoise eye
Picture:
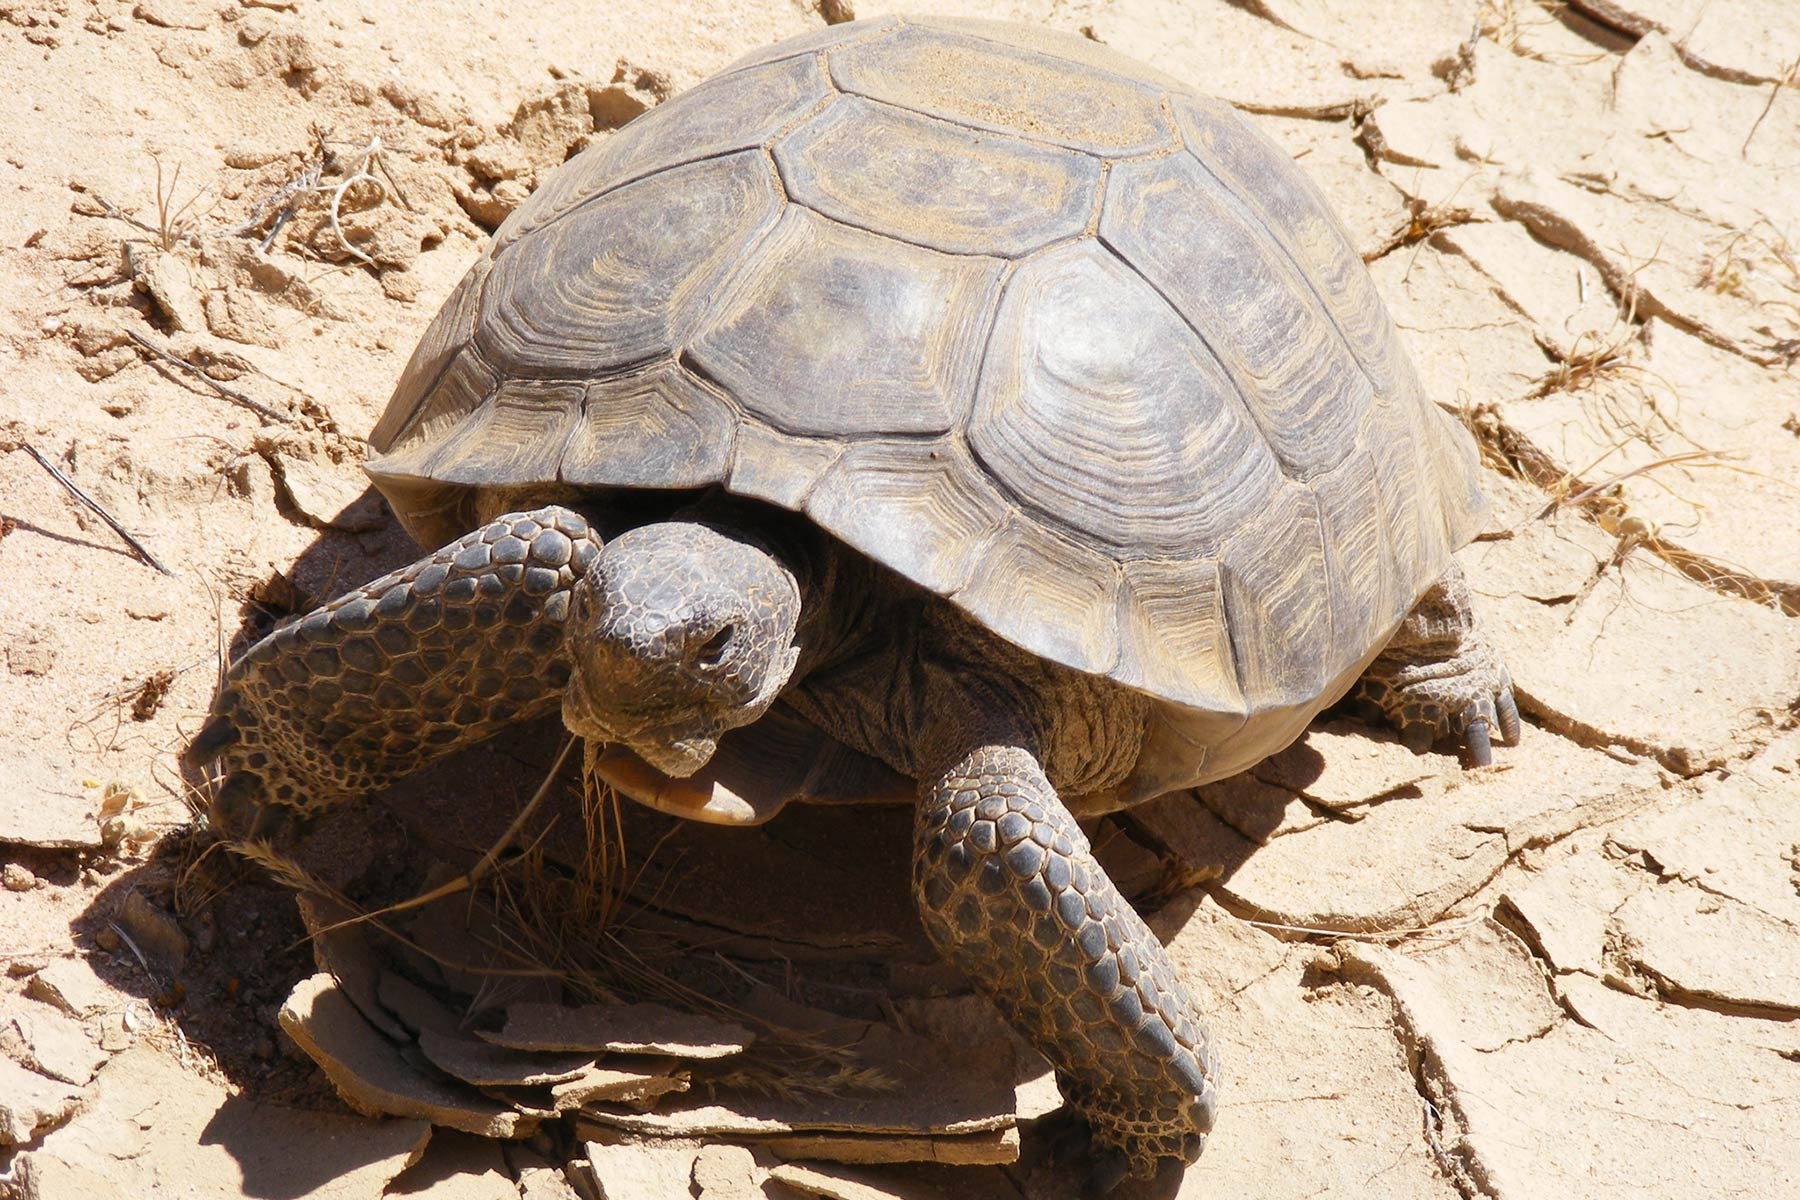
713	649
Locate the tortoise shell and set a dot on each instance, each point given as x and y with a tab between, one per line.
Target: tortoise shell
1046	333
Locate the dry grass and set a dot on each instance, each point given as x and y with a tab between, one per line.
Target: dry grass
575	926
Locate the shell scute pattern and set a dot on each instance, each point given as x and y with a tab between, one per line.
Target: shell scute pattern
1092	387
920	180
889	330
1007	88
1043	332
609	285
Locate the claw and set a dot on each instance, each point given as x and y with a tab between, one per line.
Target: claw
1108	1171
212	740
1508	711
1167	1182
1475	736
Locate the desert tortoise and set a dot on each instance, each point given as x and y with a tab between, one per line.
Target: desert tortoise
932	400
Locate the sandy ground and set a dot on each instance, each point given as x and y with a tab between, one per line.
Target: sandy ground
1574	974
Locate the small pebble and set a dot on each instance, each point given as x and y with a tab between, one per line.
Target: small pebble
17	878
107	939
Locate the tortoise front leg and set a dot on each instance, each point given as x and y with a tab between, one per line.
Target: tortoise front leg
1438	676
403	670
1009	891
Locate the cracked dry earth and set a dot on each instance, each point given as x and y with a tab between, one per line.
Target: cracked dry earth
1576	973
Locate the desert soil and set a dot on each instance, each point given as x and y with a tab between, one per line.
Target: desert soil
1575	973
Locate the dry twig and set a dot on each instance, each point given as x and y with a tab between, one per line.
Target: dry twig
94	506
230	393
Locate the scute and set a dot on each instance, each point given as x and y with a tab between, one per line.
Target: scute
1100	409
723	115
827	329
1278	600
1173	221
778	467
920	507
516	437
447	334
1006	88
1174	636
809	44
925	181
1084	52
1055	595
1372	590
610	285
662	429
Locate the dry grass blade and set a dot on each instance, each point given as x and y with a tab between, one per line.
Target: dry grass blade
470	878
1786	80
1593	491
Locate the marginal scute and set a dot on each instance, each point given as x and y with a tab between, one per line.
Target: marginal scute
448	333
1405	488
662	429
606	287
1005	88
925	181
460	389
778	467
922	508
1099	408
1053	595
514	439
827	329
1373	592
723	115
1173	634
1278	601
1233	283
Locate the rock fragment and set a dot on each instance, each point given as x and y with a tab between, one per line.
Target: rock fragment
31	1103
372	1076
47	1041
457	1166
619	1029
71	985
1711	950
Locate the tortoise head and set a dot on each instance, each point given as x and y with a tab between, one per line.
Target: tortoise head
678	633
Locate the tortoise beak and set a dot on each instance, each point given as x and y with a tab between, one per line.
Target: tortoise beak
677	756
676	748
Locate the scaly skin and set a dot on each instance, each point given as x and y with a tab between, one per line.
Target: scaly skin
1009	891
395	674
1439	678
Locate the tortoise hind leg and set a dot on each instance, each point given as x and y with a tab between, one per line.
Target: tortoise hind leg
1009	891
1438	677
401	671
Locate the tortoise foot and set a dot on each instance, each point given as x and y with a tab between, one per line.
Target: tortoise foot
1439	677
1009	891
